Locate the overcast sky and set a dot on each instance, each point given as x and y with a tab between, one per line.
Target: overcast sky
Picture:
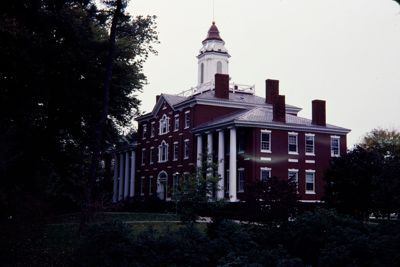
346	52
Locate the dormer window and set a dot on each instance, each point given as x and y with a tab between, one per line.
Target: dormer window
164	125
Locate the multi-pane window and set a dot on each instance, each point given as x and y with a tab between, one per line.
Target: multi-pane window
143	156
292	141
241	180
151	155
186	149
175	183
187	119
152	129
142	185
310	182
293	176
155	155
265	141
150	185
265	174
176	151
176	123
335	146
164	124
144	131
163	152
310	144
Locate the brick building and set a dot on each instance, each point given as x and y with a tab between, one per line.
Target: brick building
249	137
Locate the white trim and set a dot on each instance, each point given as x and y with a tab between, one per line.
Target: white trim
265	169
293	133
338	139
241	169
293	170
297	143
311	201
310	161
309	134
265	159
309	192
313	171
293	160
264	131
313	144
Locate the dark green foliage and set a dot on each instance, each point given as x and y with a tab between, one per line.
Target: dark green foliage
367	179
51	77
270	201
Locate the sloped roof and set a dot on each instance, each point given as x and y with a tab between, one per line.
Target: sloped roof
261	116
213	33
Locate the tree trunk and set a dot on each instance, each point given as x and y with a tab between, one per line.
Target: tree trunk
90	200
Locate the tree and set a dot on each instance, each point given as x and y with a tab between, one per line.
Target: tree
367	179
273	200
51	78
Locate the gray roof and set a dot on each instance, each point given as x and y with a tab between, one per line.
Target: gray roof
173	99
263	117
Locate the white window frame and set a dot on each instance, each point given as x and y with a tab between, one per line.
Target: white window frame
152	129
261	141
150	184
308	135
163	147
333	154
297	143
142	180
187	119
164	125
296	171
262	169
143	156
151	155
310	192
175	151
176	123
186	149
144	131
240	187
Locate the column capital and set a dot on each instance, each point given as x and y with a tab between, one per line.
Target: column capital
231	127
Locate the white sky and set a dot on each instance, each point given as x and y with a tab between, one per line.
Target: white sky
346	52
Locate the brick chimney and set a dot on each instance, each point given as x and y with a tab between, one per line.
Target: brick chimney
279	109
271	90
318	112
222	86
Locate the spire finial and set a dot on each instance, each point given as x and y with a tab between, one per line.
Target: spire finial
213	12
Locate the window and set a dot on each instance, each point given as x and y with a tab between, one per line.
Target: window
152	129
176	151
186	149
292	141
335	146
293	176
144	131
310	145
175	183
219	67
150	185
163	152
143	156
164	125
265	174
176	123
142	185
241	180
310	182
151	156
202	73
266	141
187	119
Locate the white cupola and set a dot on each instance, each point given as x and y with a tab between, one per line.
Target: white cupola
213	57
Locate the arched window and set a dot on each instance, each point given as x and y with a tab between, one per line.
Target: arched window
202	73
219	67
163	152
164	125
162	181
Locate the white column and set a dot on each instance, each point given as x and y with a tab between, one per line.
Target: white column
232	166
133	174
126	176
221	165
209	149
199	150
121	177
115	179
